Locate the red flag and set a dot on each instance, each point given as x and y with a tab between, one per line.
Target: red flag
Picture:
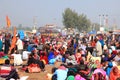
8	21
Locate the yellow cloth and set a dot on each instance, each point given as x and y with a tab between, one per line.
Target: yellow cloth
118	67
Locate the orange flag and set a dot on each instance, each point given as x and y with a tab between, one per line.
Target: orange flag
8	21
14	39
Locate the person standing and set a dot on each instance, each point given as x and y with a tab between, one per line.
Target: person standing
7	44
98	48
19	45
1	45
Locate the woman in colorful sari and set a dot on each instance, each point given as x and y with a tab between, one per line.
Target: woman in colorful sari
114	74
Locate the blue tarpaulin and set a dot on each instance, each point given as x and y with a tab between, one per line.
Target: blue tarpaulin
21	33
92	32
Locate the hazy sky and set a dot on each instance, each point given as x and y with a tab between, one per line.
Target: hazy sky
50	11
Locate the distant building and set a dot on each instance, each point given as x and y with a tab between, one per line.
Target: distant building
49	30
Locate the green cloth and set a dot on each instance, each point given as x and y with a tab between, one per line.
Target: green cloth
92	66
5	57
71	78
72	69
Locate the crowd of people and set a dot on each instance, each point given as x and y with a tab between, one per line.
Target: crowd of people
91	57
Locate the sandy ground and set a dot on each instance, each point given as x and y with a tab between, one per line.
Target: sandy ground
36	76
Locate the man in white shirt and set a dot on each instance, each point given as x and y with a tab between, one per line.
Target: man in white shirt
98	48
19	44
